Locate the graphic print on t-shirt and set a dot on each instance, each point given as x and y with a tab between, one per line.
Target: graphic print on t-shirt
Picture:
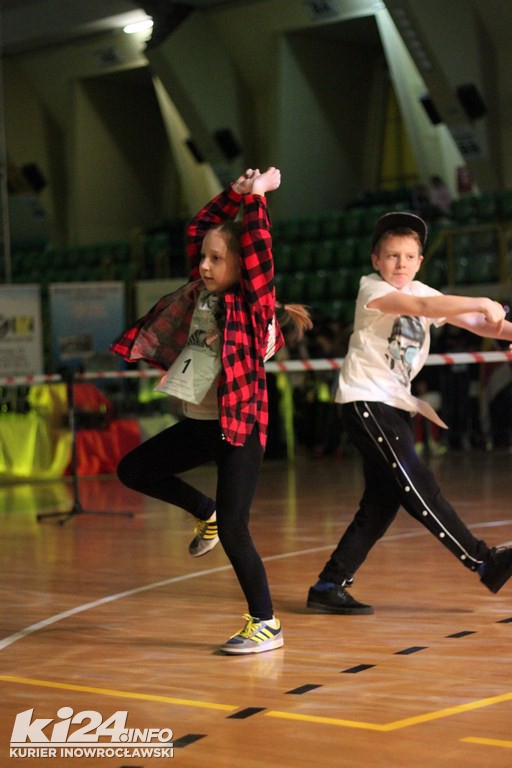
407	337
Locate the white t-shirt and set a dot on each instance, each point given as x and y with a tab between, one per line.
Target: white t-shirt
385	351
193	376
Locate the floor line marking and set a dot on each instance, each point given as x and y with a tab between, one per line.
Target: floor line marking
397	724
44	623
22	633
488	742
114	692
380	727
325	720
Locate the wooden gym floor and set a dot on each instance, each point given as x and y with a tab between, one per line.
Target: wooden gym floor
110	614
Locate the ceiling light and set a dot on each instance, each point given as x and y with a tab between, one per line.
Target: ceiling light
138	26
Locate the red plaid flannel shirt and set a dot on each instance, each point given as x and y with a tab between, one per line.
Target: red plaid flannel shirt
159	336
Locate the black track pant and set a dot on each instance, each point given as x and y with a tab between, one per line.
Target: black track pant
394	476
151	468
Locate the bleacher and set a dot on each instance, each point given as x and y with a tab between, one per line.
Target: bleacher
318	259
156	253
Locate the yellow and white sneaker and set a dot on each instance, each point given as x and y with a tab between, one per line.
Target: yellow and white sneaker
206	536
257	636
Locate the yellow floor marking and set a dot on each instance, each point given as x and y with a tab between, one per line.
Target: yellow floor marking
124	694
384	727
489	742
397	724
327	720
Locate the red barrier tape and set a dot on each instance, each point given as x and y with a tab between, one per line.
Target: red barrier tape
274	366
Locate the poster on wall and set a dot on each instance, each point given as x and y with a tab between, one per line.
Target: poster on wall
21	337
85	318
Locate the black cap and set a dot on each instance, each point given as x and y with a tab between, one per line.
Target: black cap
399	220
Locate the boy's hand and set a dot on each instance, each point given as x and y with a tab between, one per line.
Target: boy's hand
494	313
267	181
243	185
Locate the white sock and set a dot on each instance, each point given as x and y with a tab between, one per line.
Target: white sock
213	518
272	623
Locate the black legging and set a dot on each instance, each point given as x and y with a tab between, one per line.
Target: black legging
394	476
151	468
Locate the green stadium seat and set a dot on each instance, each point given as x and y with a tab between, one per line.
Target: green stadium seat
352	222
461	244
338	284
485	268
294	288
340	309
290	230
302	259
434	271
362	251
370	216
282	253
323	256
315	285
310	227
485	240
486	208
279	281
355	275
277	232
461	269
504	204
345	252
331	225
463	209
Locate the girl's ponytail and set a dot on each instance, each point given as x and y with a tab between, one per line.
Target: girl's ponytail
298	314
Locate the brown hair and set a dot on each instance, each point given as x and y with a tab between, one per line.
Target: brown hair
232	231
298	314
399	232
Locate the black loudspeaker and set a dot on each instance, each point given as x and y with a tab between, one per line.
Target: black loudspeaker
227	143
194	150
34	176
431	109
471	101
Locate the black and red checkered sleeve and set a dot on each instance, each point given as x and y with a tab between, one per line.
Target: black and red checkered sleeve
256	251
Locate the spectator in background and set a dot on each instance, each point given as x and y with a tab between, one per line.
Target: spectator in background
440	197
455	385
496	401
427	434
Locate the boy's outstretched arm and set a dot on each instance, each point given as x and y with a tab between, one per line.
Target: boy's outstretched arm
477	323
482	316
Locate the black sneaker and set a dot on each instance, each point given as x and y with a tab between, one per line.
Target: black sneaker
336	600
498	568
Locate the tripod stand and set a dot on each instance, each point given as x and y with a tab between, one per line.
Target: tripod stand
77	508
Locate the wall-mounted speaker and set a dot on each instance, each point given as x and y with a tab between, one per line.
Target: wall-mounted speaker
227	143
33	176
431	109
471	101
194	150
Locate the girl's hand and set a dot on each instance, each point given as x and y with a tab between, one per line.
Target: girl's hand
243	185
267	181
